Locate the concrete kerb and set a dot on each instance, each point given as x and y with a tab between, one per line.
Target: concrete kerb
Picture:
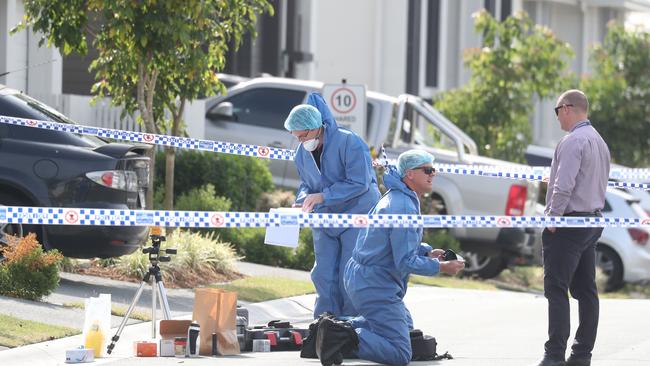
75	288
477	327
296	309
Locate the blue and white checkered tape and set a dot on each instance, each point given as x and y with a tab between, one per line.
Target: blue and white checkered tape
208	219
512	172
156	139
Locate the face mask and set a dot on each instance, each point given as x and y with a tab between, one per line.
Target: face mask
311	145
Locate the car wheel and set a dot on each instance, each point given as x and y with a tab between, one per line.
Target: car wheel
482	265
7	230
611	266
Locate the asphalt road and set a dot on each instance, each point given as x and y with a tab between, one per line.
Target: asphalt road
476	327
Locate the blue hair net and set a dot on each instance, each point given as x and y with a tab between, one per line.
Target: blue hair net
412	159
303	117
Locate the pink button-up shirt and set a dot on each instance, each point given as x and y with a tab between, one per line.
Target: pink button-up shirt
579	172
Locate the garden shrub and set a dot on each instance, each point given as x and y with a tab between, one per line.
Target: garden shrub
249	243
200	259
27	271
303	257
240	178
203	198
441	239
277	198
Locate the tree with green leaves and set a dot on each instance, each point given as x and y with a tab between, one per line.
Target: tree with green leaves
154	55
619	94
518	62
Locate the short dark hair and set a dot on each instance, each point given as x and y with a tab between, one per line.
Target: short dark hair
576	98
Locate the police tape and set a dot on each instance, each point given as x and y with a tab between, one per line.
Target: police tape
520	172
212	219
537	174
156	139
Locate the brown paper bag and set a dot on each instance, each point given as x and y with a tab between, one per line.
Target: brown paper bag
216	312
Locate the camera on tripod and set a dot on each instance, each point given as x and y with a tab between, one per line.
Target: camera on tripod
154	250
158	291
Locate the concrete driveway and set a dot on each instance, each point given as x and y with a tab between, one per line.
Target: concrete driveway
476	327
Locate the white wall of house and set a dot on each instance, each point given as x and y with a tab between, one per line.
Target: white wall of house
363	41
13	48
34	70
581	24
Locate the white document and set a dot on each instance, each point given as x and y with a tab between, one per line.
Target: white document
286	235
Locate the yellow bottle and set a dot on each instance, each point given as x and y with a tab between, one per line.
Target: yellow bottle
95	339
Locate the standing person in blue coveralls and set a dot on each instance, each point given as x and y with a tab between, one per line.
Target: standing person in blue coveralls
336	175
376	277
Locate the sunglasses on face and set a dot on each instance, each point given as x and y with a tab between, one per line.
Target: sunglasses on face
557	109
427	170
304	135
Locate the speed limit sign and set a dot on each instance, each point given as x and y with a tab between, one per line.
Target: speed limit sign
343	100
348	105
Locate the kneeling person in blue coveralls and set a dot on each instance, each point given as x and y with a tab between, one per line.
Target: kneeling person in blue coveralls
376	277
336	177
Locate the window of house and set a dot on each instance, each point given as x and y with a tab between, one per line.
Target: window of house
433	43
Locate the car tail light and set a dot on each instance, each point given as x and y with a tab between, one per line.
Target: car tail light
516	200
116	179
638	235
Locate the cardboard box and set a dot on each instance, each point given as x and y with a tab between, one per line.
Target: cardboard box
79	355
170	329
145	349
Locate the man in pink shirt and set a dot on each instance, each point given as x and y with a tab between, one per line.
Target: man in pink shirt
579	174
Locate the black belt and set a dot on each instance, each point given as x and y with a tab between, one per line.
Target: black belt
584	213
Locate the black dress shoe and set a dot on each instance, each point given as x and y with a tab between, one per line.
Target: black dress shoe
308	349
334	336
577	361
549	361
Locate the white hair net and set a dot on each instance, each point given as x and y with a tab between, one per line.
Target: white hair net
303	117
412	159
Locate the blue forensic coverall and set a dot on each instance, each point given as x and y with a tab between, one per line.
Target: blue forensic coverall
376	277
349	185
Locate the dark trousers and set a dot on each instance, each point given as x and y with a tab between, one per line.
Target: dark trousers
569	257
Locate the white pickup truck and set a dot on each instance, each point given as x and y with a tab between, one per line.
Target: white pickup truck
253	112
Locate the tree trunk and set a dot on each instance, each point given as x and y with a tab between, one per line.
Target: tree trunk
145	91
151	154
170	159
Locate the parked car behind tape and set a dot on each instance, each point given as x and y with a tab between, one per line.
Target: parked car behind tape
46	168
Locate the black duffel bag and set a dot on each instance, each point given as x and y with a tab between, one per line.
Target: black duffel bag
424	347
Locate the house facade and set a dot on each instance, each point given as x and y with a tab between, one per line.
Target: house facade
391	46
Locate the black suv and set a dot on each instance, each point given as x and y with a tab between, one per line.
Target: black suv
45	168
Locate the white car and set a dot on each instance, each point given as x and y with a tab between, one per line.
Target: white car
623	254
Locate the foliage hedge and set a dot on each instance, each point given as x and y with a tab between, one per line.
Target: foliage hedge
240	178
27	271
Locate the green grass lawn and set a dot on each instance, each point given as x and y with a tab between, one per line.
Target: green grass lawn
18	332
257	289
526	278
